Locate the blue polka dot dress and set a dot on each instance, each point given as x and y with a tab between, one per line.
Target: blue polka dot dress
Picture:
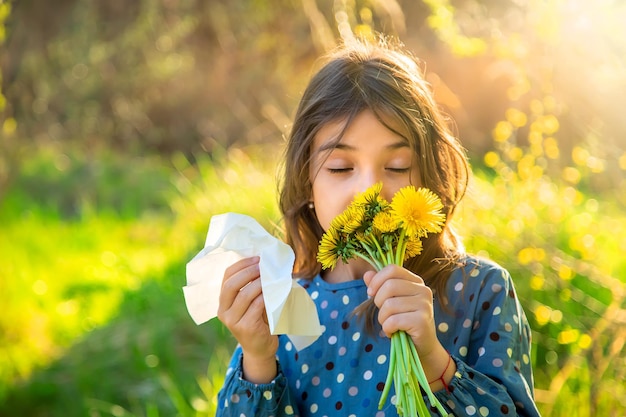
343	372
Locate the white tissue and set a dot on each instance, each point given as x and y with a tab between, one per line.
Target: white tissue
234	236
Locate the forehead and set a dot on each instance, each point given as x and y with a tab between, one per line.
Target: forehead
364	124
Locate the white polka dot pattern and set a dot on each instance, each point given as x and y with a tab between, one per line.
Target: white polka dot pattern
343	372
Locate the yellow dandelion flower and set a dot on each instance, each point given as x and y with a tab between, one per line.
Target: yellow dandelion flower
384	222
328	252
339	222
419	211
413	248
354	218
368	196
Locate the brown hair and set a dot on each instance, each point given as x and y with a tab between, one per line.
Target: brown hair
387	80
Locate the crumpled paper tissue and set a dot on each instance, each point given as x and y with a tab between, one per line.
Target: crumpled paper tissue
232	236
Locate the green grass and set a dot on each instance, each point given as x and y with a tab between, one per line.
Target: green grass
94	254
96	322
563	249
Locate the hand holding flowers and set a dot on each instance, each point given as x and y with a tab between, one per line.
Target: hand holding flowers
384	233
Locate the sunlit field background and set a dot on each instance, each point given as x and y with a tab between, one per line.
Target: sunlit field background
126	125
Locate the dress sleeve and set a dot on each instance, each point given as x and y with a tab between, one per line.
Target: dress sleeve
241	398
494	374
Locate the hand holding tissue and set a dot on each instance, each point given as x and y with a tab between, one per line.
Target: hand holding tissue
232	237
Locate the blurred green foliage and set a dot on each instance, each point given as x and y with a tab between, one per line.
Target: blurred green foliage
126	126
95	319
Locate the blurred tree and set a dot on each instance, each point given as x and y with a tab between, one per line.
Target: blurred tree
153	75
8	123
184	75
559	63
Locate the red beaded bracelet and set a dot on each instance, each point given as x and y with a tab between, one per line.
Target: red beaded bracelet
443	381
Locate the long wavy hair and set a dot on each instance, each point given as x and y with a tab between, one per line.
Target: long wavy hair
388	80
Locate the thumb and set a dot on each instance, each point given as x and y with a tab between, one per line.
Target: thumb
367	277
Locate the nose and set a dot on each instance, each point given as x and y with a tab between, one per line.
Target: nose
368	178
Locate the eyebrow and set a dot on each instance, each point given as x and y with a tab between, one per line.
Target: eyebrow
331	144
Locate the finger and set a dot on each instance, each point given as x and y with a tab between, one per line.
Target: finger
415	304
251	324
255	313
406	322
403	284
367	278
400	288
235	299
390	272
240	265
236	277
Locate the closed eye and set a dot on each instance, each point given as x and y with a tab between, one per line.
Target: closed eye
339	170
399	170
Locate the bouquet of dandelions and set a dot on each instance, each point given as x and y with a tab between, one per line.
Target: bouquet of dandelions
384	233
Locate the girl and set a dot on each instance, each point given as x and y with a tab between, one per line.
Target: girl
368	116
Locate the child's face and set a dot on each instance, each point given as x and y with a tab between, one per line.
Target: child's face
367	153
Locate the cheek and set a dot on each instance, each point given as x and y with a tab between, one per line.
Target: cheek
416	178
329	201
322	218
324	210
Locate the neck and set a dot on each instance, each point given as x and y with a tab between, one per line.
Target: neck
347	272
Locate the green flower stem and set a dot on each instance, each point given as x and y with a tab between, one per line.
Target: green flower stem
401	401
408	376
376	256
404	400
372	261
377	251
412	376
419	370
401	249
377	244
390	373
